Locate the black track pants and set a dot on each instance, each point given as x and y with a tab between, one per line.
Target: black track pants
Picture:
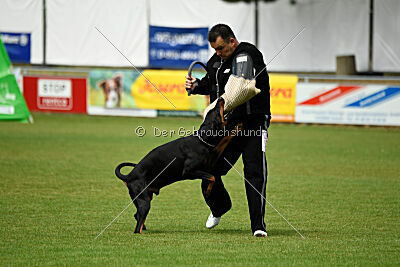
252	148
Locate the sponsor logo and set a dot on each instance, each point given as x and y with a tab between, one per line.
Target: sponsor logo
282	92
18	46
21	40
177	46
54	94
376	98
169	54
330	95
174	39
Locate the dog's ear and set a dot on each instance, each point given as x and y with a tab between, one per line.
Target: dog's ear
118	80
102	84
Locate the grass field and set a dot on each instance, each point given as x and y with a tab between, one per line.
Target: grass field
339	186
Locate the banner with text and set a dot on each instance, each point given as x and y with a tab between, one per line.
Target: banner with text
58	94
127	93
18	46
283	97
348	104
177	47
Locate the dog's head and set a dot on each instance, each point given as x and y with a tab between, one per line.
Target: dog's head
214	119
212	128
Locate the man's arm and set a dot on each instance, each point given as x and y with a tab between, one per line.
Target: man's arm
242	66
202	86
241	86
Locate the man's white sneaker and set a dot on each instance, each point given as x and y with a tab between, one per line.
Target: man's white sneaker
212	221
260	233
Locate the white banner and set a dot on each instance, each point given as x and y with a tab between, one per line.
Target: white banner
72	37
54	88
348	104
386	48
333	28
24	17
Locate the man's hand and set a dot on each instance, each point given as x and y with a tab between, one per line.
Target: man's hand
190	83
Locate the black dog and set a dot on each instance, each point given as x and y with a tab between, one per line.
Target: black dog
191	157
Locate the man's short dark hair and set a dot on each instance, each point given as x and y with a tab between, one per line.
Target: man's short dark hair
222	30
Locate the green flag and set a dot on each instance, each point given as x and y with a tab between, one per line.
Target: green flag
4	61
12	103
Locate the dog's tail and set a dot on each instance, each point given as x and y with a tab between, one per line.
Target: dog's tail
118	170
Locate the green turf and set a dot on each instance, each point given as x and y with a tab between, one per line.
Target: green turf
340	186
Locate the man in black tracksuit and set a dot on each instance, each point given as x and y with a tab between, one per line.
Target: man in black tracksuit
240	60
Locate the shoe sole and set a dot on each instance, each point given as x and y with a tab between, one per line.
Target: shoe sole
211	227
260	235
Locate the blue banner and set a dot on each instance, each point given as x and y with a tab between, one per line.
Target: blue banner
177	47
18	46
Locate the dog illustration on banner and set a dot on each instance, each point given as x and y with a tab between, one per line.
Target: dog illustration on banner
112	89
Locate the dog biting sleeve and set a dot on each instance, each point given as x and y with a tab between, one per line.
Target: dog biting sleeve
241	85
238	91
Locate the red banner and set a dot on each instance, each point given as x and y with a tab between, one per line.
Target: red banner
59	94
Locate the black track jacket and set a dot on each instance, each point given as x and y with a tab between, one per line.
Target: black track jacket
214	82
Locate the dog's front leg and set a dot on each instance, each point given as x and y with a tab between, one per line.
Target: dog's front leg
142	202
143	210
136	216
196	174
211	182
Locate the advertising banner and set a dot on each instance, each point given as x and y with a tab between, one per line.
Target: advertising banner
177	47
283	97
18	46
127	93
348	104
61	94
